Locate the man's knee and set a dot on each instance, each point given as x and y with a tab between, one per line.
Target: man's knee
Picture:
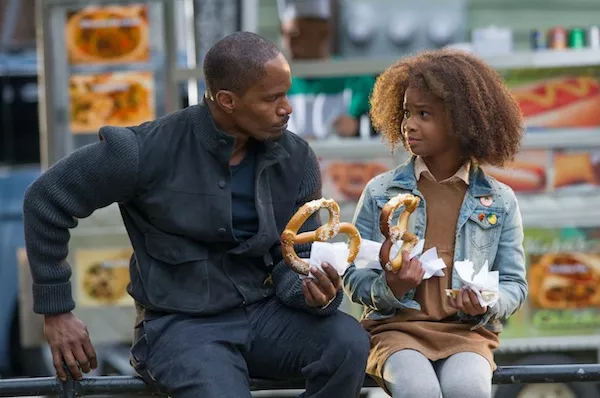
351	344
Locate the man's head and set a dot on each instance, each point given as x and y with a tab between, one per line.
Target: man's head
305	28
247	79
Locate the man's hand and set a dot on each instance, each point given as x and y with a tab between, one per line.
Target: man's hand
408	277
70	342
467	302
321	291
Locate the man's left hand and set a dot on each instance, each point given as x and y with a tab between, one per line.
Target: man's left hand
467	302
321	291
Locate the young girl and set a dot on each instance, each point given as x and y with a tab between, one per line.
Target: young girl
453	114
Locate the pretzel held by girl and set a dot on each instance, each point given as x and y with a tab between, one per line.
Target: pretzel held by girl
398	232
290	236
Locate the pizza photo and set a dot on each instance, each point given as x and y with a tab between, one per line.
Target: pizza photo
116	99
110	34
102	277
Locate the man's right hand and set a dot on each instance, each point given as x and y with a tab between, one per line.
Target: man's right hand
408	277
70	343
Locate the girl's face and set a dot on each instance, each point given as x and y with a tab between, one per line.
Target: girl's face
426	125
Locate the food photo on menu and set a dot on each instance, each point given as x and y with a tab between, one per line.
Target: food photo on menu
557	97
576	169
346	179
108	34
102	277
116	99
526	174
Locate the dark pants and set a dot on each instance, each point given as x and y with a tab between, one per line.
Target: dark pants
215	356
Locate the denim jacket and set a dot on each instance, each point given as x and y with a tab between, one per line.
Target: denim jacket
501	244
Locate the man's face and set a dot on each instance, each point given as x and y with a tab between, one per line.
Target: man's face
264	110
306	38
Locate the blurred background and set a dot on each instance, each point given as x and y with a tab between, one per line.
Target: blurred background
68	67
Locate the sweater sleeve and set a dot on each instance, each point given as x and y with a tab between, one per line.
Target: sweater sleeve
88	179
288	287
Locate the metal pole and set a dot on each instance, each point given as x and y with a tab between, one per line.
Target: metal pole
9	23
45	90
172	99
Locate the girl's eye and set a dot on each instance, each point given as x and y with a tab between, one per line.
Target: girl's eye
424	114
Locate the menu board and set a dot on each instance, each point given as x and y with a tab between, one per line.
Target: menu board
116	99
102	277
556	97
111	73
551	170
564	283
109	34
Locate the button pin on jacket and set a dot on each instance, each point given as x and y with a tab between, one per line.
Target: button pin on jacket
486	201
481	216
492	218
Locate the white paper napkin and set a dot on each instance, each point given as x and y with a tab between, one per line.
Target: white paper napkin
368	257
335	254
484	283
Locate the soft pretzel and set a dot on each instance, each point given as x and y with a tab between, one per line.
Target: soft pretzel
290	236
398	232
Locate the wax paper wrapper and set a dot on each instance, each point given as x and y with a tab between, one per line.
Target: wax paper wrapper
484	283
368	257
335	254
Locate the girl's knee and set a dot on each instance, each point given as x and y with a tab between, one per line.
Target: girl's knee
461	388
410	388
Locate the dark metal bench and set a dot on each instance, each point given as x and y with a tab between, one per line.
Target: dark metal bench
117	385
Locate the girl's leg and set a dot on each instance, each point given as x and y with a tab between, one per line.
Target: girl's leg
409	374
465	375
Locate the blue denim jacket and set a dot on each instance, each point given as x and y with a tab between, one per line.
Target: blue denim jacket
476	240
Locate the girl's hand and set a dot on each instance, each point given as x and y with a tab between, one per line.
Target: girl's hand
467	302
408	277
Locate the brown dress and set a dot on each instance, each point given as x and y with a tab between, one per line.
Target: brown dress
435	330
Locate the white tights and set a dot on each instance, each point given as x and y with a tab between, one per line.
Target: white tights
409	374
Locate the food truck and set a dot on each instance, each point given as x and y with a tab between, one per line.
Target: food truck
556	177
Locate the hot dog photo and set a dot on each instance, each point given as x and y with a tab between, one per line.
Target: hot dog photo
556	98
527	173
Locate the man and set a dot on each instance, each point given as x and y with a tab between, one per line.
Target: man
322	105
204	194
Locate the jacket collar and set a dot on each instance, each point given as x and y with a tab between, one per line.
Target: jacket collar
404	178
220	143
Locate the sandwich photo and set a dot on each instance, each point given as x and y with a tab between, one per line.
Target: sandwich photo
576	168
565	281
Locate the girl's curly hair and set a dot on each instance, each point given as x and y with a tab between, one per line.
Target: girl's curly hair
482	113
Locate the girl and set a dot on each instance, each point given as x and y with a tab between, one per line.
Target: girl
453	114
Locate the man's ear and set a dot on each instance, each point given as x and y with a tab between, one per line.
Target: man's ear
226	100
